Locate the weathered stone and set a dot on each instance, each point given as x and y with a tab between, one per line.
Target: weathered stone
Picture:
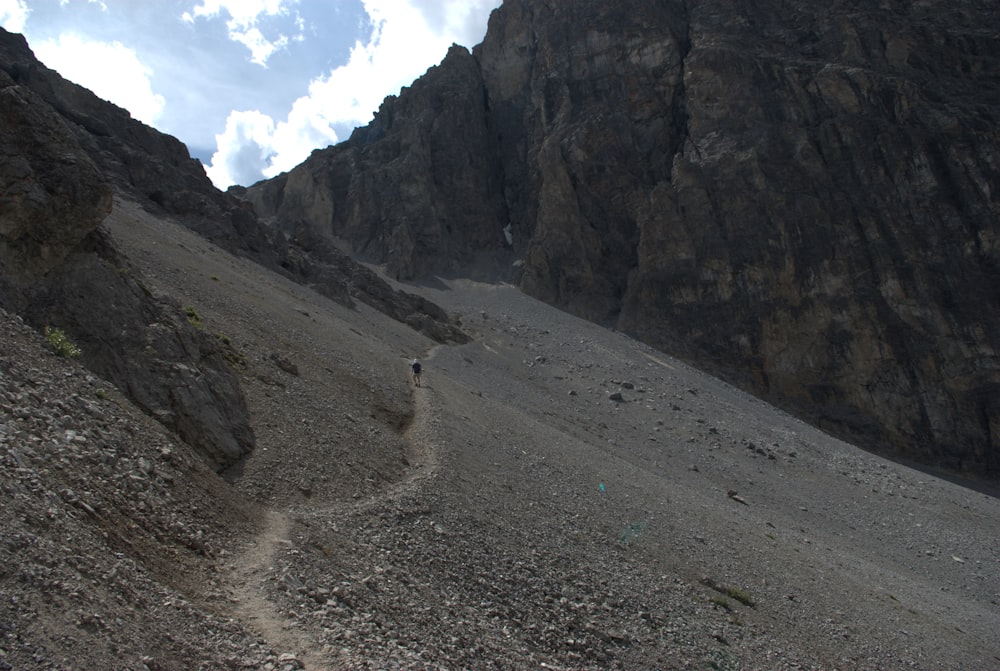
157	170
53	195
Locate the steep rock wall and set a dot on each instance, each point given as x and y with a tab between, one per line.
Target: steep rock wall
418	189
804	202
800	198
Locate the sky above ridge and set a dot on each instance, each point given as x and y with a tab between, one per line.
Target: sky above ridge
251	86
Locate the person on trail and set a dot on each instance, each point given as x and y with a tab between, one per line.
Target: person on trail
416	372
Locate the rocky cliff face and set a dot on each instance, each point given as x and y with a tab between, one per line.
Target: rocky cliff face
157	171
800	198
418	189
58	268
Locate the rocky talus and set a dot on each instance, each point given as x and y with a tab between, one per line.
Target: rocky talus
66	156
215	458
157	171
796	197
110	526
554	495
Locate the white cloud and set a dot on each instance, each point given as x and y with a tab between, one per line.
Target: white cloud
243	23
110	70
408	37
243	149
260	47
100	3
244	13
13	14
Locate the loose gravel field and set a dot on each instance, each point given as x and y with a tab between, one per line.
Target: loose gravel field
554	495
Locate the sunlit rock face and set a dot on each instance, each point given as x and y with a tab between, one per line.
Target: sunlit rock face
800	198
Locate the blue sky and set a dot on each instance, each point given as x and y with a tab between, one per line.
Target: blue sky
251	86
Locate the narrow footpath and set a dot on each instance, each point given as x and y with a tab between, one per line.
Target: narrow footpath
254	567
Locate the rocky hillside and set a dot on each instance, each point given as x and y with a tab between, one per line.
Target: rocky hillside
555	495
798	197
66	153
217	460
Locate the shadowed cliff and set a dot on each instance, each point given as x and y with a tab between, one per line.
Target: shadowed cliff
796	198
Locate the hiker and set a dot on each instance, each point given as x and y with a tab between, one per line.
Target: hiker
416	372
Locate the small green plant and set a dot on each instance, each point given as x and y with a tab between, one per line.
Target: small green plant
61	344
730	591
101	394
233	356
739	595
193	318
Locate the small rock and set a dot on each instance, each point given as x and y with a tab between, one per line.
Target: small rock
736	497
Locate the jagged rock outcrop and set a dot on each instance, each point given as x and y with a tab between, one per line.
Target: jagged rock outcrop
157	170
419	189
799	198
65	155
57	267
52	198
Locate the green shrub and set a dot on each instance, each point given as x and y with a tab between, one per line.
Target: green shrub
233	356
60	344
193	318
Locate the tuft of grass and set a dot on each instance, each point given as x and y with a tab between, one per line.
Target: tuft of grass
739	595
193	318
232	355
732	592
60	343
